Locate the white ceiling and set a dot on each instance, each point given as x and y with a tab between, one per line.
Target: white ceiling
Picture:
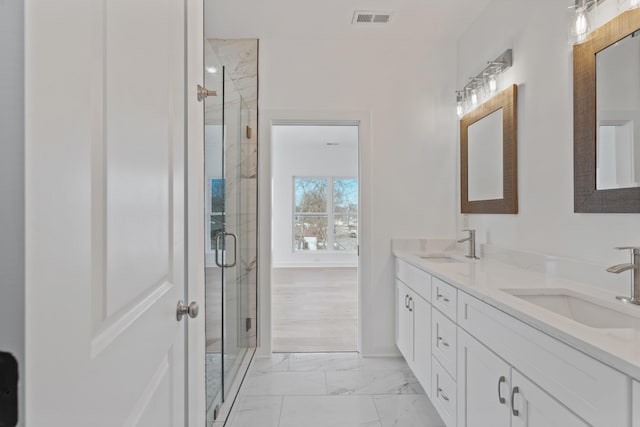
331	19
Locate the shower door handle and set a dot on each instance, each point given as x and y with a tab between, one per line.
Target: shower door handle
235	249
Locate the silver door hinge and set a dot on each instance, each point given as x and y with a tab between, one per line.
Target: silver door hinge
204	93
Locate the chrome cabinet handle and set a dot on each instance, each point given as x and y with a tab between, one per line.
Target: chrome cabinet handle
406	301
235	249
444	396
514	411
444	343
501	380
442	297
411	304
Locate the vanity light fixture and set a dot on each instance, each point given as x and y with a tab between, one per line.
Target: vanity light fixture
627	4
484	85
582	12
459	106
474	97
493	84
582	25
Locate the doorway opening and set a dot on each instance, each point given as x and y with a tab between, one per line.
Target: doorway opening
314	229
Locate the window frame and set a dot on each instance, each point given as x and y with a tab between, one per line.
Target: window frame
329	213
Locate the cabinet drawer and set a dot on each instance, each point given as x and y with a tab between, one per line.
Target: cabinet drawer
413	277
444	341
443	394
598	393
444	298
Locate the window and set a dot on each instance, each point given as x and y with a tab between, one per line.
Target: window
325	214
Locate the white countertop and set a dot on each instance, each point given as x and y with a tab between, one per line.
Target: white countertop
485	279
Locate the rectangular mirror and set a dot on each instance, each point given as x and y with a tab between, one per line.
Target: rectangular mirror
488	156
618	114
607	118
484	158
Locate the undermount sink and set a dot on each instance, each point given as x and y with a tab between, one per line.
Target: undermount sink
580	308
439	258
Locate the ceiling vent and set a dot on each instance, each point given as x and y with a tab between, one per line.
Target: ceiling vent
369	17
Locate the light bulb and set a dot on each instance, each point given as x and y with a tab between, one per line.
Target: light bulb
474	97
459	109
582	26
493	84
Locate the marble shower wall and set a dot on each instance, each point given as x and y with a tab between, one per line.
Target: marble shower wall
240	61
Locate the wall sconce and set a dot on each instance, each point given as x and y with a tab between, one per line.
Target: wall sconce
484	85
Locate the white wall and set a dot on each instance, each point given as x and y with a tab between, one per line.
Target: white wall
408	188
543	70
12	182
301	151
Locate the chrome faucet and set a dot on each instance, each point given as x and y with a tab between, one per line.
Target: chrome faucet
635	266
472	244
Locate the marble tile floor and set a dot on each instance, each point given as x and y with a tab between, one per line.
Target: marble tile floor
331	390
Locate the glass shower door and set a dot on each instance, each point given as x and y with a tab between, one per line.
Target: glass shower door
214	219
234	236
228	247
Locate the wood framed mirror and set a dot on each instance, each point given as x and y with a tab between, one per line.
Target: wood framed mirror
488	156
606	116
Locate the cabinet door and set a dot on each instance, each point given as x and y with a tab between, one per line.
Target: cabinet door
483	385
532	407
404	322
422	341
635	403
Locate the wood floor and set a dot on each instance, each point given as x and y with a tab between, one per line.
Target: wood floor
315	309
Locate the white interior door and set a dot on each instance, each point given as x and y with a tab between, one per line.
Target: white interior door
105	212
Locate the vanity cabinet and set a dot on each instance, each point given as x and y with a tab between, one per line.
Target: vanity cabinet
413	320
483	367
492	393
597	393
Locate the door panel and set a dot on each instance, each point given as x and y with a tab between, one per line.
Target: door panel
422	342
105	213
480	387
538	409
235	276
138	134
404	331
